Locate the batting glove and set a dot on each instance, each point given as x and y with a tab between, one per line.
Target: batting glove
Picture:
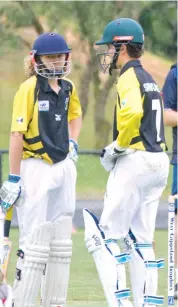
10	192
111	153
73	150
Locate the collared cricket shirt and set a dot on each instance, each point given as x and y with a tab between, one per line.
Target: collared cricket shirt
138	121
43	116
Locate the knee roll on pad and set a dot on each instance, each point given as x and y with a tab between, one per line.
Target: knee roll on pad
55	283
36	256
61	251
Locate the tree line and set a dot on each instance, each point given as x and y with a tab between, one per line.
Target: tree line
87	20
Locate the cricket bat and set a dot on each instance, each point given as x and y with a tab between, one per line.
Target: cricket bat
7	245
5	222
5	248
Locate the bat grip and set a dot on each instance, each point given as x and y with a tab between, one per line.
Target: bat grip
7	226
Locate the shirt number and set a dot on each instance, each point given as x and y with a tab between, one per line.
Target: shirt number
156	106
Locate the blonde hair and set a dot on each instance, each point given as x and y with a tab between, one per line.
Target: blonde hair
29	67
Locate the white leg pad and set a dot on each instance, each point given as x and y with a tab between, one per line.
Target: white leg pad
17	286
112	279
143	273
36	256
54	289
121	259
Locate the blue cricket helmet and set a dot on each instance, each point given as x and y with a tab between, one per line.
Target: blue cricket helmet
50	43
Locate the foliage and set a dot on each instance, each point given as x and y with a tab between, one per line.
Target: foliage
159	21
86	21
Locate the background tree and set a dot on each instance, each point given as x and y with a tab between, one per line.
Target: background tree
159	21
83	22
89	20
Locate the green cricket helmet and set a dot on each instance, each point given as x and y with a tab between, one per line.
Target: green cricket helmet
118	32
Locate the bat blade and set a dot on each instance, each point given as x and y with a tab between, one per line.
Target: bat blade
7	245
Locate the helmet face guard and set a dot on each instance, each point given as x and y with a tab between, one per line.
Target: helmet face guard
108	60
52	69
51	45
117	32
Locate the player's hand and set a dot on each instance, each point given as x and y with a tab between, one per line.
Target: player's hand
108	157
111	153
73	150
10	192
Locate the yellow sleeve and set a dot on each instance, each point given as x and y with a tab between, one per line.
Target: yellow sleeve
75	109
22	108
9	214
129	115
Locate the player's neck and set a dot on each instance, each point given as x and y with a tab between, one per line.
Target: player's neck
127	59
54	85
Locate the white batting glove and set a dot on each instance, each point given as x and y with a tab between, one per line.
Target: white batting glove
73	150
111	153
10	192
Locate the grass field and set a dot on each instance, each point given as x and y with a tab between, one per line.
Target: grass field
84	287
92	178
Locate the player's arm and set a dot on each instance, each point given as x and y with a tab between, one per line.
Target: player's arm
170	118
75	124
74	128
129	115
129	112
22	110
20	119
170	100
74	116
15	152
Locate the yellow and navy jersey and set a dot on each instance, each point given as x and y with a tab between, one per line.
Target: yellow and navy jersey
42	116
138	120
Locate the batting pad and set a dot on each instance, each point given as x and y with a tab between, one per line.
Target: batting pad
112	279
144	273
36	256
55	282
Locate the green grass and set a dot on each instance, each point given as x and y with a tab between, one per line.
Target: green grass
92	177
84	287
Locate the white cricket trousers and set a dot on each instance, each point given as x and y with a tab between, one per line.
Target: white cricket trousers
132	195
49	193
